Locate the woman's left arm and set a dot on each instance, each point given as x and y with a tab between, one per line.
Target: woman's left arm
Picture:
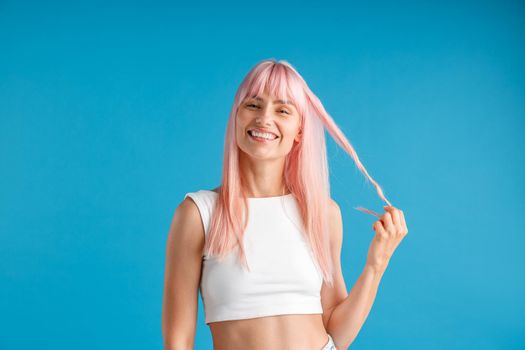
348	316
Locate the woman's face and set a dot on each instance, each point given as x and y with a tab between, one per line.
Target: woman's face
277	121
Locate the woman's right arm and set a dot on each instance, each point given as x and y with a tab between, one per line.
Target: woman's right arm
182	276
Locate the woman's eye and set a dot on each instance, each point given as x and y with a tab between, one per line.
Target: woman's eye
254	105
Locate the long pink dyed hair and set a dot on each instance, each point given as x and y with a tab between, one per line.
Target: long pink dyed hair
306	167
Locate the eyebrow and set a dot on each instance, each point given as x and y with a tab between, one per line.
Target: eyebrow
284	102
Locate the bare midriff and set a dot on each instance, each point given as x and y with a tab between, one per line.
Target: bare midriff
297	331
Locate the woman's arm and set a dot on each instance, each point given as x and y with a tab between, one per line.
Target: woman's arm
181	279
348	317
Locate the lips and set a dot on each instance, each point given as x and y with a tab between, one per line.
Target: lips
262	130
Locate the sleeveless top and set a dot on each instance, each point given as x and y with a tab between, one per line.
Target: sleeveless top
284	277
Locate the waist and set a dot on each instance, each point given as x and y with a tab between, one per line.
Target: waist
304	331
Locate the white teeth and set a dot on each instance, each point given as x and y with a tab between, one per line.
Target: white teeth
264	135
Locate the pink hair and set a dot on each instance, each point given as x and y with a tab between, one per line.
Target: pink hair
306	167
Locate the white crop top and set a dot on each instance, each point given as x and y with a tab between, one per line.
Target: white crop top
283	278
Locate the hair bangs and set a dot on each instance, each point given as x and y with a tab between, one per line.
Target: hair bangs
278	82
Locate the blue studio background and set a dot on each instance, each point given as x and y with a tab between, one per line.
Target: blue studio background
111	112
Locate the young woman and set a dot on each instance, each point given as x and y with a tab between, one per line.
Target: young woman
264	247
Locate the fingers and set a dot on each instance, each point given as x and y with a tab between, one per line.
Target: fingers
398	219
388	222
395	215
379	228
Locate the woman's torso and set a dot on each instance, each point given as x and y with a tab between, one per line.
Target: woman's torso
285	331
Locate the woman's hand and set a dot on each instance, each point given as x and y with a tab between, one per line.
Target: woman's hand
390	229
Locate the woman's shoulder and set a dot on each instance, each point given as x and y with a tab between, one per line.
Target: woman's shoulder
187	217
203	202
203	198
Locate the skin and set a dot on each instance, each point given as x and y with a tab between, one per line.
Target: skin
262	166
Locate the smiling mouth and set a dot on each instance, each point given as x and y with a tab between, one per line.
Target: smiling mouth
261	139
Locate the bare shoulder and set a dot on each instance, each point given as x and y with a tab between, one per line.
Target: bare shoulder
187	209
186	222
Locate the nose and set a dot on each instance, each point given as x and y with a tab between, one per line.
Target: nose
264	118
262	121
